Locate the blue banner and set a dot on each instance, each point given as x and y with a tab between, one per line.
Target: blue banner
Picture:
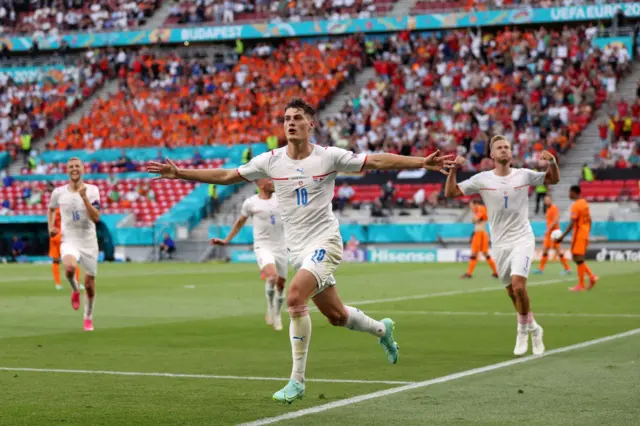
377	255
626	42
434	21
30	74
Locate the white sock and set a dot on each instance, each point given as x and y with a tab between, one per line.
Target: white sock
268	291
359	321
73	282
300	334
279	300
88	307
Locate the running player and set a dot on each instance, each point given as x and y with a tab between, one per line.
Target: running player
505	192
268	244
480	239
79	205
304	177
553	223
54	254
581	226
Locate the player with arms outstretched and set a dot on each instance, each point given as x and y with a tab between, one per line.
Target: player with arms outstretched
480	239
54	253
268	244
553	223
581	226
79	205
304	177
505	192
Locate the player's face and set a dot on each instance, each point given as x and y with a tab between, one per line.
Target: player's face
573	195
74	170
297	125
547	201
501	152
266	185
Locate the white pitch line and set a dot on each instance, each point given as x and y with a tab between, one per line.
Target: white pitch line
506	314
199	376
444	379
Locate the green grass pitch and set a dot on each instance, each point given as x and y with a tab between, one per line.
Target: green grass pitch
207	321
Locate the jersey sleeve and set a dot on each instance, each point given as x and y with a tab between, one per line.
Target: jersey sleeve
54	201
257	168
575	211
481	214
470	186
94	196
347	161
246	208
535	178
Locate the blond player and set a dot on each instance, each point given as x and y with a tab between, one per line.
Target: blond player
268	244
79	205
304	177
505	192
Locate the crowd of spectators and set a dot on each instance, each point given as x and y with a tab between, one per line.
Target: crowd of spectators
166	100
52	17
274	11
620	135
29	110
537	87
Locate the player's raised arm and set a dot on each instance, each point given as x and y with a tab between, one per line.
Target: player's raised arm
553	172
435	162
169	170
451	189
91	202
237	226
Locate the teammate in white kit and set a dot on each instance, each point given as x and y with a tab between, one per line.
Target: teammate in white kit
505	192
79	205
304	177
268	244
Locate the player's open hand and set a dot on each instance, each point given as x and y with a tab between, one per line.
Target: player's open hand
167	170
456	163
547	156
437	162
559	240
218	242
54	231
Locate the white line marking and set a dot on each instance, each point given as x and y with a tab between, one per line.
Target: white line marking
199	376
454	292
444	379
505	314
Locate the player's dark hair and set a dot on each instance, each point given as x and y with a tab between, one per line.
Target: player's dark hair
575	189
300	104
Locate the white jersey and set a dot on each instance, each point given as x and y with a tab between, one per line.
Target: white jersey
304	189
268	232
77	227
507	202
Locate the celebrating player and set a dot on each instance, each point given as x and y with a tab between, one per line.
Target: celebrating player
581	226
553	223
268	244
505	192
54	253
79	205
480	239
304	177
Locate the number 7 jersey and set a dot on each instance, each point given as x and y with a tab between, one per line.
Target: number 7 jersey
507	202
77	227
304	189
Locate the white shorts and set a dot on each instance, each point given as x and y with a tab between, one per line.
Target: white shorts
87	258
513	260
322	260
266	257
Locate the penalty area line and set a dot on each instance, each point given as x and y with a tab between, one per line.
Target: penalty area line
197	376
444	379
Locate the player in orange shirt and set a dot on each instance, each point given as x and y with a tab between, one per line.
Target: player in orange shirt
553	223
581	227
54	252
480	239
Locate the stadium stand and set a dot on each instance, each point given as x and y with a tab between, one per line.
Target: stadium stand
191	12
538	87
168	101
49	18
